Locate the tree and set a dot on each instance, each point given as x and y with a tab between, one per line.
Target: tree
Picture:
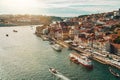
117	40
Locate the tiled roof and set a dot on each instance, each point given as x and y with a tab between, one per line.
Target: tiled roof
116	45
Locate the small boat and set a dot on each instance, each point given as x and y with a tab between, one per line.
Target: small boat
74	45
57	47
58	74
52	42
53	71
44	38
7	35
15	31
113	72
81	59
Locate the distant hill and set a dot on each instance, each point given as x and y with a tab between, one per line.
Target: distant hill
81	16
6	20
48	19
6	25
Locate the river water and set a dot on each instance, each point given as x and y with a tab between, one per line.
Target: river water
24	56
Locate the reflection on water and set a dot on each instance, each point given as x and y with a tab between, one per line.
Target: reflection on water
23	56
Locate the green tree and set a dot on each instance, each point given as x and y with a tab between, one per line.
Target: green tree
117	40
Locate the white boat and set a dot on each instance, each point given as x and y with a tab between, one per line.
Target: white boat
57	47
74	45
80	59
44	38
53	71
15	31
58	74
113	72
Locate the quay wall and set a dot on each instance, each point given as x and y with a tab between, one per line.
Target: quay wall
95	57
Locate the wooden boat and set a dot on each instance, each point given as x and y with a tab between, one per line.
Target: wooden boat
113	72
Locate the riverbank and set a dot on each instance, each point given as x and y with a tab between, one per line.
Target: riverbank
24	56
95	55
13	25
102	58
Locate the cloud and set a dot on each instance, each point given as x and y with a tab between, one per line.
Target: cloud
61	7
83	2
90	6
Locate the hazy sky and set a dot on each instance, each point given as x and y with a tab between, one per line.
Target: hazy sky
57	7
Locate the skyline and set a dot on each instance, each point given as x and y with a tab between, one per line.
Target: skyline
62	8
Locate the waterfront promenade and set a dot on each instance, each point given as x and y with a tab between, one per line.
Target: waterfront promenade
103	58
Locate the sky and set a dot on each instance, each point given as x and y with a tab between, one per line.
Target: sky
62	8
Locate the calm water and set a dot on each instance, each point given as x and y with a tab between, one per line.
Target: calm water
23	56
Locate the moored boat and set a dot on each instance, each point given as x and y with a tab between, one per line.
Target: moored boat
80	59
52	42
74	45
74	60
113	72
57	47
44	38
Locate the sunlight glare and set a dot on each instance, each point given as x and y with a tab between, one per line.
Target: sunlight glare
21	4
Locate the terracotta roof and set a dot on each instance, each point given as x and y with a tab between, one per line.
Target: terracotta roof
113	36
116	45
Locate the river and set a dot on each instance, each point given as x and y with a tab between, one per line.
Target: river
24	56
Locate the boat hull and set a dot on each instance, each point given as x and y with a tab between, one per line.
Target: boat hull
79	60
57	48
114	73
52	72
74	60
